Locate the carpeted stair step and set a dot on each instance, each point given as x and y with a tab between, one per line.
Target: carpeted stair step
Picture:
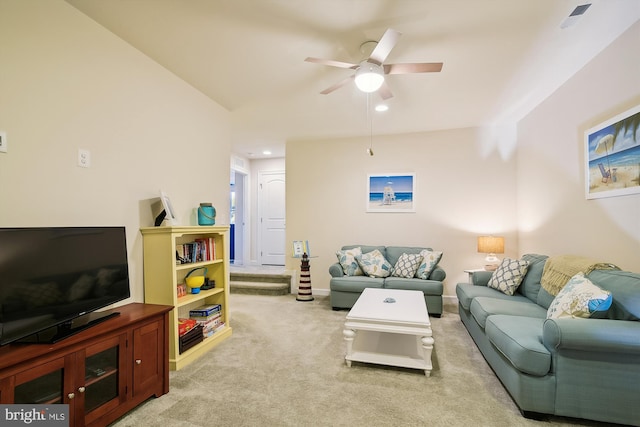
259	288
260	283
260	277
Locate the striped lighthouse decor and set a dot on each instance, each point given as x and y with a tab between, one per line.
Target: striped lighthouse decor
304	286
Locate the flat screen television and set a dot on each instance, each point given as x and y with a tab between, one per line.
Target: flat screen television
53	279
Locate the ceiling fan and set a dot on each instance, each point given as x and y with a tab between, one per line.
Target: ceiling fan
369	75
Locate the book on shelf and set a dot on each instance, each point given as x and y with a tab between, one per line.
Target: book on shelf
205	310
205	319
197	251
210	324
210	332
185	325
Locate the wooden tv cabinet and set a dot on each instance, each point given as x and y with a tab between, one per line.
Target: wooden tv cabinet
101	373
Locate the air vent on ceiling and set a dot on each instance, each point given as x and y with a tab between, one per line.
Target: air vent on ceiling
573	18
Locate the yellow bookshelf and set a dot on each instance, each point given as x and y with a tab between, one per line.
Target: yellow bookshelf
162	275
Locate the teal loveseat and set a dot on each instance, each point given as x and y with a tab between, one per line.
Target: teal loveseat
345	290
574	367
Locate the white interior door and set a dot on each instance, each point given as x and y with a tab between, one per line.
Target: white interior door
271	192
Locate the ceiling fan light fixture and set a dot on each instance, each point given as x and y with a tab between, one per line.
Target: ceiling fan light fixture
369	77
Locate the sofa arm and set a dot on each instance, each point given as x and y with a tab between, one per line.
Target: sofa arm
437	274
335	270
612	336
481	278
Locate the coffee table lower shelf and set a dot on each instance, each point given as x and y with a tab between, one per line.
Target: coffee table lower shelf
391	349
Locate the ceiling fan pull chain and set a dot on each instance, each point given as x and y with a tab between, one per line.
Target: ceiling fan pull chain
370	120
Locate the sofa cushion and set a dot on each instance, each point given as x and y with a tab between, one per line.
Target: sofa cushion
428	287
429	261
625	289
407	265
530	286
393	253
483	307
579	298
466	292
355	283
374	264
544	298
508	276
519	339
347	259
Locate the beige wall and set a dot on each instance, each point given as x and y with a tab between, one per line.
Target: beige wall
465	186
67	83
553	215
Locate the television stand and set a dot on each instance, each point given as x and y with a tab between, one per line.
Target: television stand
101	372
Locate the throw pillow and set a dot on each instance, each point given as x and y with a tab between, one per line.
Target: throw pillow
579	298
429	261
347	260
407	265
374	264
508	275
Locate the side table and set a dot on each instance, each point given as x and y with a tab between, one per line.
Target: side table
471	271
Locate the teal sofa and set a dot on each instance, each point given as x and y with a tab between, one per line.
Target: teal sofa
574	367
345	290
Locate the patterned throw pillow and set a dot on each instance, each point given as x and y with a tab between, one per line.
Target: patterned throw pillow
509	275
374	264
407	265
347	260
579	298
429	261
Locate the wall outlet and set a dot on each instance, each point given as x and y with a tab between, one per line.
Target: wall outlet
84	158
3	141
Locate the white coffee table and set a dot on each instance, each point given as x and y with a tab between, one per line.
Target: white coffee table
390	333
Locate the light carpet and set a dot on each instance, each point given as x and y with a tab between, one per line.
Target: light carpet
284	366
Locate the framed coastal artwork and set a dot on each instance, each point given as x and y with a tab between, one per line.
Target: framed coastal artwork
391	192
612	156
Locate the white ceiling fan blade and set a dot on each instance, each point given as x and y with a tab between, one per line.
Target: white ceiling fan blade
385	91
332	63
337	85
425	67
386	43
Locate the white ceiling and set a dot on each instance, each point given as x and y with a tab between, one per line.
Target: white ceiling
501	58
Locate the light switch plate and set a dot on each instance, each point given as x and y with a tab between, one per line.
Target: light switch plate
84	158
3	141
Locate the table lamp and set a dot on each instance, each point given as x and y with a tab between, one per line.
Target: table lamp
491	246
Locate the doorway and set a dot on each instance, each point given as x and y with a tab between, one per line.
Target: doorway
237	217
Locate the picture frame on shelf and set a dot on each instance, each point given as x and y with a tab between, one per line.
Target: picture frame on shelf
300	247
391	192
170	215
612	156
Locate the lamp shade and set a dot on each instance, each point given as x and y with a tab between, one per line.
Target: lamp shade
491	245
369	77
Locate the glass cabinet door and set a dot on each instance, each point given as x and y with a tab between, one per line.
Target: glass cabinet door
103	384
42	385
101	379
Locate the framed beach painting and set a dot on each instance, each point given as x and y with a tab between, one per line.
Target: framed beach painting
391	193
612	156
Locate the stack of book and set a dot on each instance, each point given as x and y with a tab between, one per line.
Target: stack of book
190	338
209	317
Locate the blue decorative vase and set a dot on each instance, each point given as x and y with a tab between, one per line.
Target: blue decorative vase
206	214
